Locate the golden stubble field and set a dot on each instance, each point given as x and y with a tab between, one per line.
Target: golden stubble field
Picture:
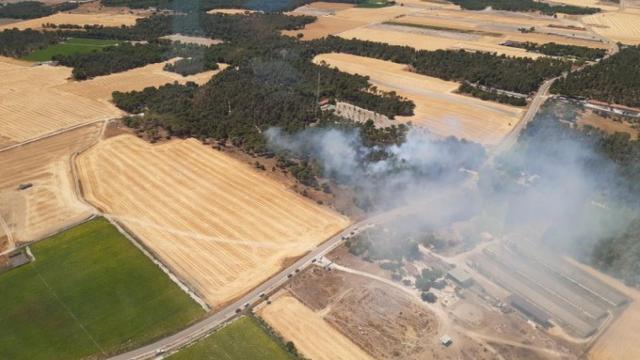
105	19
31	106
37	100
438	108
313	336
216	222
51	203
434	26
618	26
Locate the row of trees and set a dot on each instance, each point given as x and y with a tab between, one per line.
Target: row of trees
32	9
199	5
491	95
525	6
614	80
554	49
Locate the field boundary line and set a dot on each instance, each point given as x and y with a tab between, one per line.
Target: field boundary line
53	133
79	193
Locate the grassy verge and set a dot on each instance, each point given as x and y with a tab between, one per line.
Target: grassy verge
69	47
243	339
89	293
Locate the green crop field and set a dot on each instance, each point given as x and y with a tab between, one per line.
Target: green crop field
374	3
71	46
89	293
242	339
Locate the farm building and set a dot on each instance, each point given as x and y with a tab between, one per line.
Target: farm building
461	277
531	311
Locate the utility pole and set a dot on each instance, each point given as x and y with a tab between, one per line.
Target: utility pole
317	104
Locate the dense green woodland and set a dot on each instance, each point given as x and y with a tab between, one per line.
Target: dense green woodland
17	43
191	5
32	9
525	6
614	80
522	75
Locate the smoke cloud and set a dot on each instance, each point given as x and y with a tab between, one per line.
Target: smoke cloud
559	193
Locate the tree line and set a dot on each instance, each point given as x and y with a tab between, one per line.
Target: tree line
521	75
33	9
561	50
525	6
613	80
17	43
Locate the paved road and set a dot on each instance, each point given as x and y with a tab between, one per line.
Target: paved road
221	316
534	107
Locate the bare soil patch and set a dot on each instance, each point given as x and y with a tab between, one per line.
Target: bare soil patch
219	224
381	320
608	125
192	40
229	11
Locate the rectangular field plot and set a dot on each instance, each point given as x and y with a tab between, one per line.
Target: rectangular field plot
438	108
69	47
89	294
75	19
219	224
50	203
30	106
38	100
243	339
311	334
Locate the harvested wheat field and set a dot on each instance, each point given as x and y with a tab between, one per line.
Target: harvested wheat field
311	334
618	26
218	223
438	108
101	87
51	203
620	340
422	40
75	19
37	100
333	19
31	106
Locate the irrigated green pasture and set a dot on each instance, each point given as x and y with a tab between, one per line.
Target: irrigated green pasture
240	340
69	47
89	293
